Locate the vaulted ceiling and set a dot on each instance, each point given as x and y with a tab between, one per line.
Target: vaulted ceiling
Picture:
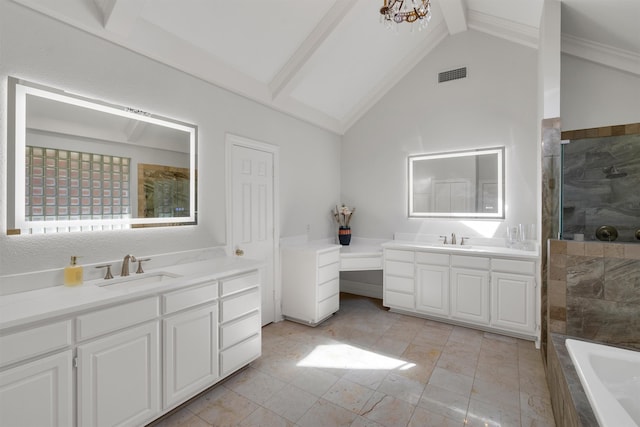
328	61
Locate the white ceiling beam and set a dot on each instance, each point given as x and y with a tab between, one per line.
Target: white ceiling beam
119	16
601	54
453	12
134	129
284	80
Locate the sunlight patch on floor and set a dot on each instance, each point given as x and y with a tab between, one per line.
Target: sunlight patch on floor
344	356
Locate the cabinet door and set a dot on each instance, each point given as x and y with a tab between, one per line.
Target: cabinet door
470	295
38	393
190	353
432	288
513	302
118	378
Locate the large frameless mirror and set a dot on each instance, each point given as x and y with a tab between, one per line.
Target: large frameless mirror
463	184
77	164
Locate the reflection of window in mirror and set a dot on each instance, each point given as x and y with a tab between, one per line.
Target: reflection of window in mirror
163	191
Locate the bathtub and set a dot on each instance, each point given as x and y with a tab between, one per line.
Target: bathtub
611	379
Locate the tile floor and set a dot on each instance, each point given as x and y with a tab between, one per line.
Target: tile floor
366	366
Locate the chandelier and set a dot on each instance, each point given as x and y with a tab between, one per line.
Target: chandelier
410	11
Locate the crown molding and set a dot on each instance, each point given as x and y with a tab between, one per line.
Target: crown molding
601	54
503	28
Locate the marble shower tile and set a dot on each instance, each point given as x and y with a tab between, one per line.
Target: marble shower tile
622	280
585	277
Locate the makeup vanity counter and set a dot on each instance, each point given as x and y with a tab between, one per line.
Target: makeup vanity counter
160	339
486	287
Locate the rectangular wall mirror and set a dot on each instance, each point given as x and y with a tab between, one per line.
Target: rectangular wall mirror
463	184
78	164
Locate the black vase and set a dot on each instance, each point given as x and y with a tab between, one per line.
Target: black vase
344	235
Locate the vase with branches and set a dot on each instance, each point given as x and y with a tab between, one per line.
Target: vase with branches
343	216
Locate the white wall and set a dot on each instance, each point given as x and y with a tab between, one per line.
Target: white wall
594	95
496	105
46	51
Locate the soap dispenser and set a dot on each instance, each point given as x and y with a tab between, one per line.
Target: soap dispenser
73	273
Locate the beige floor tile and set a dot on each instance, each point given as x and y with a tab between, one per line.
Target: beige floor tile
444	402
291	403
349	395
255	385
483	414
263	417
315	381
363	422
387	410
326	414
223	407
494	393
423	418
402	388
446	375
182	418
452	381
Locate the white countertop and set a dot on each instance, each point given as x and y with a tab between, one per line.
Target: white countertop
26	307
462	250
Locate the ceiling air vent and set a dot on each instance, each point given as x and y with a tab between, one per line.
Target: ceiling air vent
458	73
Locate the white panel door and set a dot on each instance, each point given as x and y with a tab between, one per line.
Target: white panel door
38	393
190	353
119	378
470	295
432	289
252	215
513	302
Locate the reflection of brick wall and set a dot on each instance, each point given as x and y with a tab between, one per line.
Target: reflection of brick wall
594	291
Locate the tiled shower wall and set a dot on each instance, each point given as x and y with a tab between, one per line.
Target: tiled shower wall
594	291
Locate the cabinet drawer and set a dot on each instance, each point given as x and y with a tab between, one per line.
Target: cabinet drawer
35	341
239	305
328	272
470	262
114	318
176	301
395	299
431	258
328	306
328	289
396	255
328	257
401	284
240	354
239	330
237	284
361	263
399	268
513	266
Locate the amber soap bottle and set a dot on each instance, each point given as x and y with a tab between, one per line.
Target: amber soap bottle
73	273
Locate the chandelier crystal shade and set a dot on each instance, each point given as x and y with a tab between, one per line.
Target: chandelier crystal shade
410	11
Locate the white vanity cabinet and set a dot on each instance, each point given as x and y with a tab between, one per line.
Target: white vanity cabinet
119	373
310	282
38	392
240	321
470	289
190	347
432	283
491	292
398	288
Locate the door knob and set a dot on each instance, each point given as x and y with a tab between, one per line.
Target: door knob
239	252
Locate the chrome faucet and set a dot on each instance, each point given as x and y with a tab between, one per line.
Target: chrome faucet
125	264
453	238
444	242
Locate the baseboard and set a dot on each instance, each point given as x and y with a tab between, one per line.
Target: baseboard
361	288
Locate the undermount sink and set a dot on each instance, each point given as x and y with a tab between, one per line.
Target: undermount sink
138	280
448	246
